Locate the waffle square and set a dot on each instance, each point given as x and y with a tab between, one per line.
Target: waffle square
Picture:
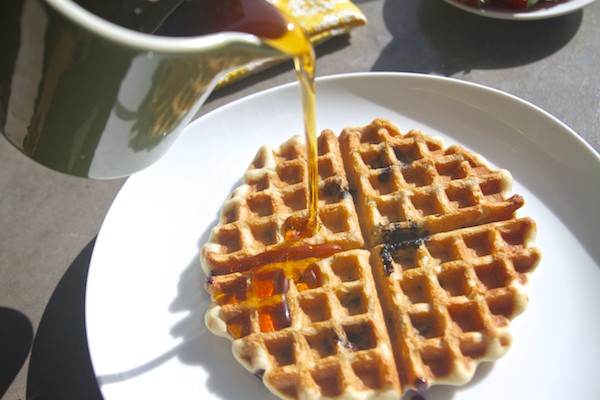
418	268
449	298
274	189
309	329
411	186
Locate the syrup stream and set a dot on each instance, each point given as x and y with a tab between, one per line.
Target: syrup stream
292	261
295	43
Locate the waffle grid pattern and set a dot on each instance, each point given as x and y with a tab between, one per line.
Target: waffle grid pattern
449	301
334	341
411	186
444	259
275	188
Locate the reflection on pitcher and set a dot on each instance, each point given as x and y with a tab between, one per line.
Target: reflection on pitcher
84	93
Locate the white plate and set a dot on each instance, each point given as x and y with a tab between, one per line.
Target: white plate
540	11
145	299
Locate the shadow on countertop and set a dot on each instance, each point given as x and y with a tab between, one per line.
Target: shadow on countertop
60	366
431	36
16	335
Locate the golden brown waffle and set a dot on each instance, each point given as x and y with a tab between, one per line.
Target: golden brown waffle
275	189
443	258
411	186
449	298
311	329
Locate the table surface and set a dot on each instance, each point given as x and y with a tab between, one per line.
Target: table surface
49	221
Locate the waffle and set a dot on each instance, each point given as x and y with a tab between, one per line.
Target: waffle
418	267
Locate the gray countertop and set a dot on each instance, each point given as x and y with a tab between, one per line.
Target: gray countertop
49	221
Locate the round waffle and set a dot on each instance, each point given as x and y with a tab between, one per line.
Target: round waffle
418	267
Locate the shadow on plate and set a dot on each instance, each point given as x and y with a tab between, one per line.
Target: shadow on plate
60	366
200	346
16	335
431	36
226	378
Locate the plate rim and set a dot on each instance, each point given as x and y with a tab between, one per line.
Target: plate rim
573	135
523	15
